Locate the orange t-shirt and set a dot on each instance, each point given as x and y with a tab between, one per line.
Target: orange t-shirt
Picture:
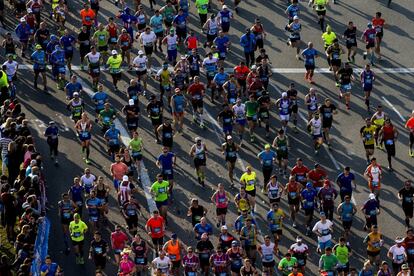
88	16
241	72
378	24
119	170
156	226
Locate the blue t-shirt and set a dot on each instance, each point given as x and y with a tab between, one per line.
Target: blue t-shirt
39	58
67	43
203	229
220	78
100	99
156	23
52	131
76	192
370	207
178	103
128	20
309	55
308	198
267	158
72	88
52	269
113	134
345	182
221	43
293	10
58	57
239	223
23	32
166	161
93	202
181	21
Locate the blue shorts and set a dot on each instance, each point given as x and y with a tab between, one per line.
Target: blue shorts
84	137
323	245
367	87
172	55
161	203
241	122
228	129
116	183
315	137
168	174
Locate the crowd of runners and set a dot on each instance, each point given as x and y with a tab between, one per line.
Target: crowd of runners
192	73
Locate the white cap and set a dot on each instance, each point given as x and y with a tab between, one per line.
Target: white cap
399	240
75	94
22	19
182	57
140	52
114	52
224	227
295	17
229	137
29	10
298	239
371	196
224	7
125	178
131	102
284	94
254	67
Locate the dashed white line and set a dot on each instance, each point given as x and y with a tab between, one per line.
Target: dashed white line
394	108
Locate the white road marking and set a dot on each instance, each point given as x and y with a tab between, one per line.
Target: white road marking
145	179
63	122
394	108
396	70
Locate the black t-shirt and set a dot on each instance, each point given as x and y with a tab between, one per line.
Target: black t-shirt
133	108
226	116
196	214
154	109
260	57
194	61
292	95
204	245
83	38
327	111
263	100
407	195
99	247
345	75
350	35
43	32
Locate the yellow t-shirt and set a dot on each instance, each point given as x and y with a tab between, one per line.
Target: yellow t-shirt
114	64
249	180
77	230
368	134
328	38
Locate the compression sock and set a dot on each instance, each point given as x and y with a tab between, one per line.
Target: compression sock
88	151
407	222
83	149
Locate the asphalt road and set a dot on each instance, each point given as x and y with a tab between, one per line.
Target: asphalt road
392	90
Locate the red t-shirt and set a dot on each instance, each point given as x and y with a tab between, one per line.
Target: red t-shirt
118	240
410	124
192	42
299	173
195	90
156	227
316	176
241	72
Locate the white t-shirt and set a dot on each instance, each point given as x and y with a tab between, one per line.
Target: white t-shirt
296	248
267	251
324	230
148	39
140	63
398	254
240	111
88	181
162	264
316	126
11	67
93	58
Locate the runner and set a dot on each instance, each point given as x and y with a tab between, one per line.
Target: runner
199	154
334	52
267	252
323	229
219	262
94	61
178	104
299	251
76	107
328	37
66	210
371	210
345	77
397	254
287	264
410	126
327	111
267	158
248	180
197	91
167	162
281	145
174	249
367	78
320	7
252	109
221	199
379	24
101	39
294	37
240	72
226	117
378	120
292	191
52	138
155	227
389	134
191	262
132	113
309	203
284	105
39	66
118	242
140	249
98	251
328	262
248	239
162	264
300	172
351	41
275	220
77	229
229	150
315	125
373	174
239	110
113	139
309	55
367	133
94	206
264	108
405	195
369	36
374	241
160	190
114	63
155	111
346	211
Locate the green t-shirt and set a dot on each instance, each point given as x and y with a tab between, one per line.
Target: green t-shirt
342	253
251	108
329	262
136	144
202	6
107	116
101	37
168	13
160	190
114	64
287	266
77	230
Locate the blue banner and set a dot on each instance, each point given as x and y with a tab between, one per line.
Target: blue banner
41	245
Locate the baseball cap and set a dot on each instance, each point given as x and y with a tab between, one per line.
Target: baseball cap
38	46
131	102
295	17
298	239
267	146
114	52
75	94
224	7
174	236
229	137
371	196
284	94
140	52
224	227
125	178
22	19
309	185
